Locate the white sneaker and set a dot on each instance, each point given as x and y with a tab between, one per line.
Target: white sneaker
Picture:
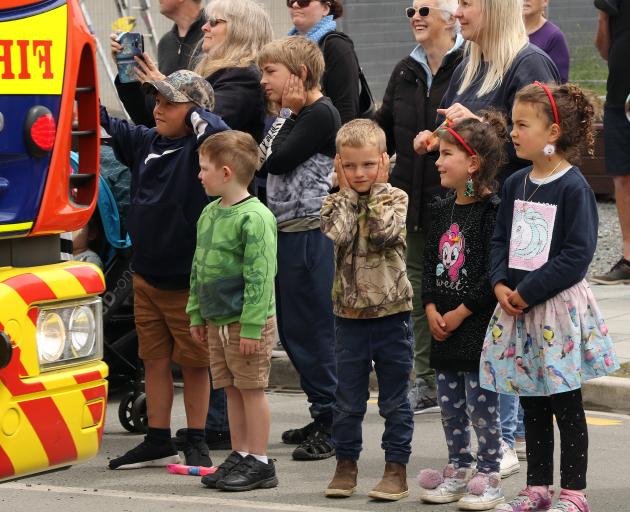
484	493
448	487
521	449
509	461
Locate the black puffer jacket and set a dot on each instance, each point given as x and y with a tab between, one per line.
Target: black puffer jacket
409	107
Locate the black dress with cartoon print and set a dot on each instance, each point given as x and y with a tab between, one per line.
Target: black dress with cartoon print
456	268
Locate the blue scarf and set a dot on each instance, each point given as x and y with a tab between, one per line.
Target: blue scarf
319	30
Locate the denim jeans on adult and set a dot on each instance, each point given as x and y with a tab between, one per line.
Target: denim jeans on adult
388	342
306	269
511	418
217	418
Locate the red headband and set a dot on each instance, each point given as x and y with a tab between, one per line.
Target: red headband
459	138
553	102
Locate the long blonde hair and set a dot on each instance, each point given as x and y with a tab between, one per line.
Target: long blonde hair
503	36
248	30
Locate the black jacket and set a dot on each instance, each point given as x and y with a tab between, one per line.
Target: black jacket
175	53
341	75
409	107
238	96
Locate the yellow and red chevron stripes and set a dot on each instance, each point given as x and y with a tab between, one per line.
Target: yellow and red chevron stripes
57	415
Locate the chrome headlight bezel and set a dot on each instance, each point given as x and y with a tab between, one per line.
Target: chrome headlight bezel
80	339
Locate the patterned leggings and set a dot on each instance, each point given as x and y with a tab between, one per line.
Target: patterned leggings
462	402
569	412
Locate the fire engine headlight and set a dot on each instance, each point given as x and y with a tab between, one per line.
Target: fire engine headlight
51	337
69	333
82	330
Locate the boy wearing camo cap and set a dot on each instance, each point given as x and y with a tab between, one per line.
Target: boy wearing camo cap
166	201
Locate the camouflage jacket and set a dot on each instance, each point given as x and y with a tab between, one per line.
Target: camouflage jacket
369	234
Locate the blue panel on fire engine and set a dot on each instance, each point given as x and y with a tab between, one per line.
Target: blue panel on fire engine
32	62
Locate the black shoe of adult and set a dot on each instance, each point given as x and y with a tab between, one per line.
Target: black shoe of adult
215	439
196	454
298	435
250	474
317	447
224	469
147	454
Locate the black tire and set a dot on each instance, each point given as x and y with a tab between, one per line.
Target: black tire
139	414
124	412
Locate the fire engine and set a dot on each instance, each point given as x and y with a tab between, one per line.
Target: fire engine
53	392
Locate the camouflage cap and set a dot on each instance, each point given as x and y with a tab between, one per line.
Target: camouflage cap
183	86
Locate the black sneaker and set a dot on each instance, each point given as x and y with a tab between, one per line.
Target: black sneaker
318	446
197	454
298	435
250	474
619	274
215	439
233	460
146	455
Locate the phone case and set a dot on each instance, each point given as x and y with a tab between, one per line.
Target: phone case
133	45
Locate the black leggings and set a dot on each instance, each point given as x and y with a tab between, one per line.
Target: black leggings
569	412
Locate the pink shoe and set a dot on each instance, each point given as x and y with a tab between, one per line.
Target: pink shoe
528	500
571	501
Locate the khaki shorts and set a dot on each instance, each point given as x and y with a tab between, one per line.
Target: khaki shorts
163	326
229	368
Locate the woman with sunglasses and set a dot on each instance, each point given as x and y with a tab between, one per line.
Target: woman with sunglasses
315	19
413	95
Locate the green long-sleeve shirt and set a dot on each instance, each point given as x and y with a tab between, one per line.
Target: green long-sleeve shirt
233	270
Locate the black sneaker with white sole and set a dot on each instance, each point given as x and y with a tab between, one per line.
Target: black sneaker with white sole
250	474
224	469
147	455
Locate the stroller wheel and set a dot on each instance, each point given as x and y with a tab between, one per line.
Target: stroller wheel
124	411
139	414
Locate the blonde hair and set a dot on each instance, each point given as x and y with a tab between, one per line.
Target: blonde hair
248	30
503	36
360	133
293	52
233	149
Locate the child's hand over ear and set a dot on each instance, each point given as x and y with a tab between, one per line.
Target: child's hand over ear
383	169
294	95
341	175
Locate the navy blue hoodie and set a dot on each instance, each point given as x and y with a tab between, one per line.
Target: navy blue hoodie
166	195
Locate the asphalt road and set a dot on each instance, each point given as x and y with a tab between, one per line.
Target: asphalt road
91	487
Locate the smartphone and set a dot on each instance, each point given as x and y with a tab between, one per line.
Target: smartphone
132	46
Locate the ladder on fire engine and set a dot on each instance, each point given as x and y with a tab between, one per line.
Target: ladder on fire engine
126	8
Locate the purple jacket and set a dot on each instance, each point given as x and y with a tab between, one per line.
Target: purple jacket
550	39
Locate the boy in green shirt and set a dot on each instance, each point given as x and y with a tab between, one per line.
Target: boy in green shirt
232	304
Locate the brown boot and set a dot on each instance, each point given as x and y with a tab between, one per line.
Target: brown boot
393	485
344	482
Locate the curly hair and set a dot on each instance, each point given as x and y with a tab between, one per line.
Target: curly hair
575	113
487	139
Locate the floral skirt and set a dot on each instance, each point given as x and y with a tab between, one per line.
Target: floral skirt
551	349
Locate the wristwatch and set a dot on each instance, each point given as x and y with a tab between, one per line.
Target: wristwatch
287	113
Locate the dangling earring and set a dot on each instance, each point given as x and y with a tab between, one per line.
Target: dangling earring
549	150
470	189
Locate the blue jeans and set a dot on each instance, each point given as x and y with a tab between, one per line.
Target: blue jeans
217	418
387	341
306	267
511	419
463	402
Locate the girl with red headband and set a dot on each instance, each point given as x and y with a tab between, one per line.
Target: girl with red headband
458	301
547	335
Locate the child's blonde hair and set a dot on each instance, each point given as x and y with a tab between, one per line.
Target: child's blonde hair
293	52
233	149
360	133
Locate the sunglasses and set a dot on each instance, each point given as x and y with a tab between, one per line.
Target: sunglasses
422	11
213	22
302	3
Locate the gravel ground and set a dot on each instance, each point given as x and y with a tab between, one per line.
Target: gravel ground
609	239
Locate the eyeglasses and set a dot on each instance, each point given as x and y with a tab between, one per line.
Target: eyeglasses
213	22
422	11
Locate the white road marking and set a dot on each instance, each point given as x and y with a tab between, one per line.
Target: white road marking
113	493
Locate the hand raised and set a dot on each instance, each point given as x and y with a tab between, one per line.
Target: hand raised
294	95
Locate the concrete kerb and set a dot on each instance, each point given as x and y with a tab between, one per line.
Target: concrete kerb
604	393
